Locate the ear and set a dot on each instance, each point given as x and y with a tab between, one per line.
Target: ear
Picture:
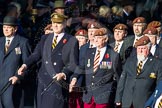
15	28
125	33
106	38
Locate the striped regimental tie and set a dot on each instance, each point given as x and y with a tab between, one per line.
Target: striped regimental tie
96	61
139	67
160	103
116	47
7	45
54	42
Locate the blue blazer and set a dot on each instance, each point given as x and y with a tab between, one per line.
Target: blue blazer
17	54
64	58
156	94
100	84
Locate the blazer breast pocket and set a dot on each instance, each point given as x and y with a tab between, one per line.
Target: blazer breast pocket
18	50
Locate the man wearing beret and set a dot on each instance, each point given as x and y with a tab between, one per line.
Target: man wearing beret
157	25
139	25
155	50
14	50
58	53
82	37
120	45
102	69
139	77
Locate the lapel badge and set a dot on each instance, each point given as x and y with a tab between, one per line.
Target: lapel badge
152	75
46	62
88	64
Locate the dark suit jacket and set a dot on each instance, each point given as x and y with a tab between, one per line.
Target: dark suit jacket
158	52
133	89
64	58
160	43
156	94
17	54
124	47
100	84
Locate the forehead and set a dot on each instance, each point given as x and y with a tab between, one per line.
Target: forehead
80	36
101	37
138	24
142	47
9	26
58	23
118	30
92	29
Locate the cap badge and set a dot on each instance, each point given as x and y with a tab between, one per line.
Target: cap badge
120	27
138	20
149	32
92	26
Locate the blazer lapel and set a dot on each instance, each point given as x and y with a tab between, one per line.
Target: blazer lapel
149	60
61	43
47	50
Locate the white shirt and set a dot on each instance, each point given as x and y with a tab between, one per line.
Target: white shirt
144	61
120	45
136	38
125	12
92	45
158	40
9	38
102	52
60	36
157	101
153	49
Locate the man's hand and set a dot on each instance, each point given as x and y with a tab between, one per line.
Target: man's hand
72	84
60	76
14	80
118	104
22	69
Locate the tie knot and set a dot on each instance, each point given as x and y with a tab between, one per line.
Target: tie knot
141	62
8	42
98	51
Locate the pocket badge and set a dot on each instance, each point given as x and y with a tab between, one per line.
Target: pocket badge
18	50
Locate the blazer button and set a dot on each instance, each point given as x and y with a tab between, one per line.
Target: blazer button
54	63
92	83
46	62
93	76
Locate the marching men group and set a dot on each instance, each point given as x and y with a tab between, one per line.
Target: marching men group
126	73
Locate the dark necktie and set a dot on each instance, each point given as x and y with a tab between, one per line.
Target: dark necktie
7	45
54	42
96	61
139	67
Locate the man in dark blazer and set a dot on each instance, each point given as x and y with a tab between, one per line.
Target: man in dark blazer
139	77
139	25
14	50
58	53
153	101
157	25
155	50
120	45
101	76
